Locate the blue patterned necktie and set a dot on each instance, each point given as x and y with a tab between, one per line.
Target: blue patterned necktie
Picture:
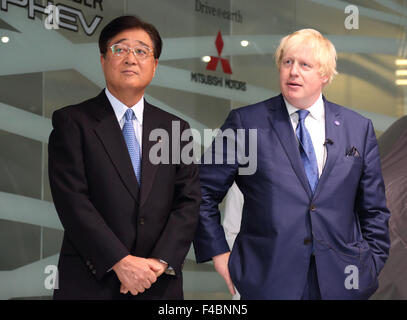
307	152
132	144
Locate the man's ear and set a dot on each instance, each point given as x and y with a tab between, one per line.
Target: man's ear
325	80
103	61
155	66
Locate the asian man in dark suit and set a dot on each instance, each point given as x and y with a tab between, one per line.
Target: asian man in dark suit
314	222
129	221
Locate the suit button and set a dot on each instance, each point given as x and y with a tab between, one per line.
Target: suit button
307	241
93	271
141	221
91	267
313	208
88	263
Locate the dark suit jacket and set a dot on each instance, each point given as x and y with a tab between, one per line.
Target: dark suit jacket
346	219
105	214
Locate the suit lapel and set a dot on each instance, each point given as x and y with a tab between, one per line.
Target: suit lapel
281	123
148	170
109	132
333	129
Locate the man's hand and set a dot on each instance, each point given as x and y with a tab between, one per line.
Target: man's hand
135	274
157	266
221	266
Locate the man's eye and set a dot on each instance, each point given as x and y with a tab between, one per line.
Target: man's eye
119	50
141	52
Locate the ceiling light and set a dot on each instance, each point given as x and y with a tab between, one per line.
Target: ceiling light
244	43
401	82
401	62
206	58
401	72
5	39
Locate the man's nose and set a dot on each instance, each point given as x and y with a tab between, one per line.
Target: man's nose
131	58
294	69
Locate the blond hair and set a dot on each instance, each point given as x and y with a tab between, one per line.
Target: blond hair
324	50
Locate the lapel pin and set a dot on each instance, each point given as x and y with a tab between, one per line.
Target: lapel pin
337	123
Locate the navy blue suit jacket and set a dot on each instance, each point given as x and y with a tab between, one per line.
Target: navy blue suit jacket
345	220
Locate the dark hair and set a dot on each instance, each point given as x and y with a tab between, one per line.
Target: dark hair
123	23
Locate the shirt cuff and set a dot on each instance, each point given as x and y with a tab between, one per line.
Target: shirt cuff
170	270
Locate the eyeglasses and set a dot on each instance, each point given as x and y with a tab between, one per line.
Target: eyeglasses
140	52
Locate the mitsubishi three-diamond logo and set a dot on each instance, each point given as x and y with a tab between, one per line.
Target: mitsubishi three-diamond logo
214	79
213	63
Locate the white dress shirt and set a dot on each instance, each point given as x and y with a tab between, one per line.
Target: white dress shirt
315	124
120	109
232	218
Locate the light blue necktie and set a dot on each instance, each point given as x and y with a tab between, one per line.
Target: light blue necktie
132	144
307	152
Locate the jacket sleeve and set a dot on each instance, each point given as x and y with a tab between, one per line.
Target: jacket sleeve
84	226
176	238
371	202
216	179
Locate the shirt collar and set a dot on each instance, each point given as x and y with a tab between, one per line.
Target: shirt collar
120	108
317	110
